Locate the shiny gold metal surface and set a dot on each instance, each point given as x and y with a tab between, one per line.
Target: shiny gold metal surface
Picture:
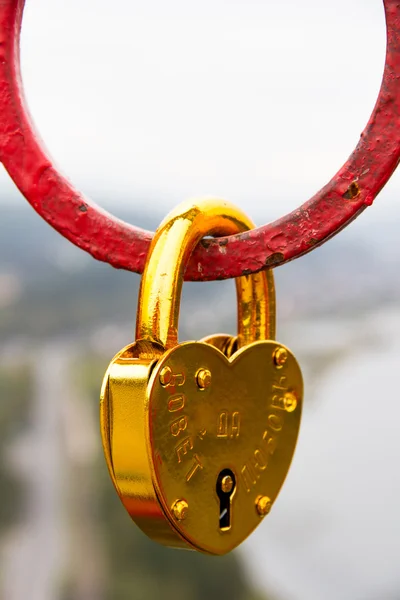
165	376
161	284
199	436
203	379
263	505
227	484
290	402
280	357
237	424
180	510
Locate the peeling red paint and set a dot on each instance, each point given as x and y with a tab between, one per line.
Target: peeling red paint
124	246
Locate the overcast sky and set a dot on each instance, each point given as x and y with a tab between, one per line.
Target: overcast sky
257	101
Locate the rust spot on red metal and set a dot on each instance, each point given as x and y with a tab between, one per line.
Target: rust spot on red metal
352	192
124	246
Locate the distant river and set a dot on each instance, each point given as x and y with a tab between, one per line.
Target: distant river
334	532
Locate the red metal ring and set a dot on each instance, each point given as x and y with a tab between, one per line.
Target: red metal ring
124	246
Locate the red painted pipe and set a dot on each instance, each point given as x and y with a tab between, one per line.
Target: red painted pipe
124	246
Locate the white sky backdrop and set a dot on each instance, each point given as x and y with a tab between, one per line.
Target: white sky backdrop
257	101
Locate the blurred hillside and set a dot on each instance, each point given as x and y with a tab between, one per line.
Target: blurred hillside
63	532
40	272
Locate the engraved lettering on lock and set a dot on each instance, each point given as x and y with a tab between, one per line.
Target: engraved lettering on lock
202	434
248	477
197	465
228	425
275	422
271	442
179	425
223	425
176	403
278	399
169	379
280	386
178	379
183	448
235	429
278	402
253	469
259	462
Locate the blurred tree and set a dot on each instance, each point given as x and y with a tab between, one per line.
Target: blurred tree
14	416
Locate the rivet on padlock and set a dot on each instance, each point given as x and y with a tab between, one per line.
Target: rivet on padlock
199	436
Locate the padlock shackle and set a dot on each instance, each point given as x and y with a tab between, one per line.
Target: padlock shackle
168	257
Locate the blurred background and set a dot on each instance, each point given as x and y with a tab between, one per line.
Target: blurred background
144	104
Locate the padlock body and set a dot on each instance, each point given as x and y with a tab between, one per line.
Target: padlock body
124	418
168	435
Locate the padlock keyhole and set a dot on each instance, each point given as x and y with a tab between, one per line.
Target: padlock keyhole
226	485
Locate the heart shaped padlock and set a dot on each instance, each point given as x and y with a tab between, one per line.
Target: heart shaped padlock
199	436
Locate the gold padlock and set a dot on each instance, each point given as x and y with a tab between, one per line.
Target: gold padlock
199	436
